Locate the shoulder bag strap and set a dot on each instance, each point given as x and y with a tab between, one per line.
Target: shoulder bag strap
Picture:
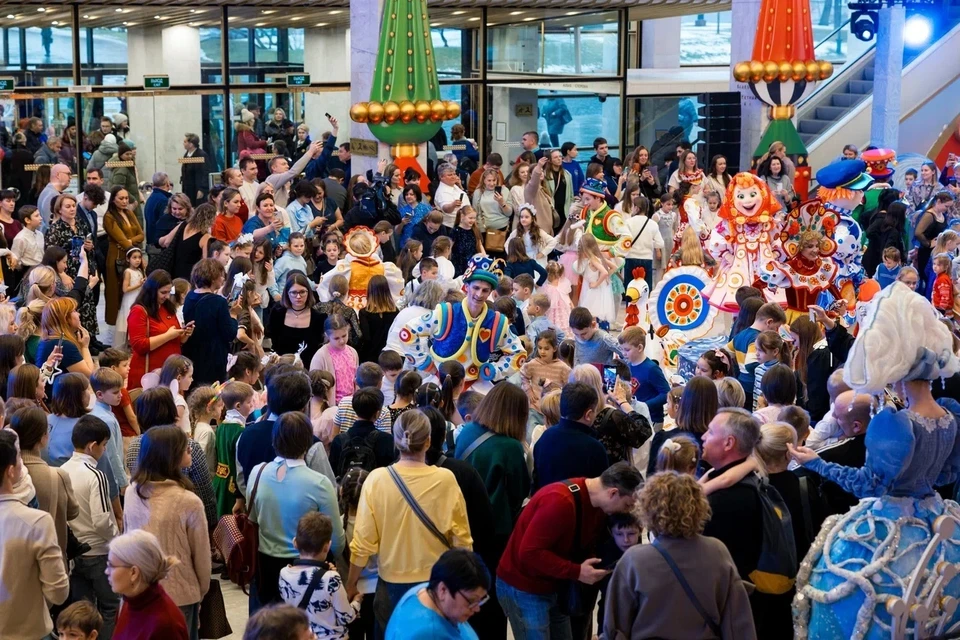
486	435
314	583
146	363
256	483
424	518
574	489
645	223
686	588
441	460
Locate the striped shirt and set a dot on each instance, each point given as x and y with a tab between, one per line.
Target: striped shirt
95	525
346	416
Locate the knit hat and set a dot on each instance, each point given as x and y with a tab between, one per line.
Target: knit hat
901	338
593	187
246	117
484	268
123	148
110	138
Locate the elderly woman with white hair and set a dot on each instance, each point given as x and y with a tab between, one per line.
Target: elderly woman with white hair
889	549
135	566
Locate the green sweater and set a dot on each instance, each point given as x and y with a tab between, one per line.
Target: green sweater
225	480
501	463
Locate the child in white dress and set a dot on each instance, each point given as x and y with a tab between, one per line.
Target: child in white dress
596	293
557	288
133	277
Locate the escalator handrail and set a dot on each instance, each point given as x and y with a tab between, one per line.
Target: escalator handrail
848	66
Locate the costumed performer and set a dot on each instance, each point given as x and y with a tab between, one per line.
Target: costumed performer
742	242
602	222
360	264
885	569
469	332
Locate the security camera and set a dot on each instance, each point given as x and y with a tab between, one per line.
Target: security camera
602	97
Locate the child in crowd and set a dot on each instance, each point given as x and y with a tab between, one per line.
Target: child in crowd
597	271
550	409
249	326
625	532
779	389
672	408
594	345
508	307
710	214
744	345
56	258
466	239
442	249
909	276
889	269
238	399
504	288
428	230
384	233
243	247
177	374
81	621
557	289
95	524
119	360
205	412
427	270
331	255
713	364
691	253
263	274
369	374
410	256
909	178
730	393
669	224
828	431
350	486
537	243
452	377
392	364
679	453
543	370
336	356
537	310
291	260
314	585
322	410
522	290
771	350
106	385
649	384
28	244
946	243
941	294
567	351
467	405
133	277
797	418
519	262
178	294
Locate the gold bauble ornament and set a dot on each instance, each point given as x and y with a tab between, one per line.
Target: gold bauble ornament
813	70
741	71
826	69
786	71
391	111
799	70
423	110
756	71
407	111
374	112
453	109
770	71
437	110
358	112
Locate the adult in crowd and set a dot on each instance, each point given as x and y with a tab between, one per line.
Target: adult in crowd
553	544
439	609
619	427
60	327
193	175
49	152
412	211
156	205
737	518
160	501
214	323
647	596
559	186
699	403
31	563
136	566
323	205
191	240
71	233
294	323
92	208
279	622
570	449
178	209
14	163
279	492
780	184
407	552
126	177
155	407
493	161
536	193
125	233
59	181
929	225
450	196
267	222
153	329
717	179
425	300
492	204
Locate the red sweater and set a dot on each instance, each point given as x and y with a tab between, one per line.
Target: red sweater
942	294
540	551
137	332
150	616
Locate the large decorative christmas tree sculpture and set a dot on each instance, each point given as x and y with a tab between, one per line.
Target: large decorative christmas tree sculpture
781	71
405	108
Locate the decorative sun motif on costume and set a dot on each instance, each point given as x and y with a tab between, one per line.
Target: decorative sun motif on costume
678	302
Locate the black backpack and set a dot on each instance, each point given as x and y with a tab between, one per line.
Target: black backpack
358	452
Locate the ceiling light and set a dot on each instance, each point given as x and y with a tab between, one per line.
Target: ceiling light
130	24
260	24
529	19
572	13
491	24
435	24
267	11
516	13
231	18
194	24
459	13
335	12
11	16
42	10
295	18
472	19
55	22
126	24
119	10
322	24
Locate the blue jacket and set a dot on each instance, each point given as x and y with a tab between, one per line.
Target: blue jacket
568	450
317	168
576	172
650	387
152	210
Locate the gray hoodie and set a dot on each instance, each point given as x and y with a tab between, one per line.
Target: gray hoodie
100	157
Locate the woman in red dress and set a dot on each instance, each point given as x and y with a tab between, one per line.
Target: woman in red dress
153	329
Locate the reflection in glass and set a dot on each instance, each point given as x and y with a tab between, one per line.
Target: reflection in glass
661	123
705	39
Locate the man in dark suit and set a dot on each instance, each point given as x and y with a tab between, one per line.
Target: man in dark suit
193	176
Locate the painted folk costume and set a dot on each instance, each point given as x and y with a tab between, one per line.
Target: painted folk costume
743	241
359	266
604	223
483	344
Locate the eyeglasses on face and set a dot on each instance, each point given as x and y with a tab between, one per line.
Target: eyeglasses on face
298	293
475	605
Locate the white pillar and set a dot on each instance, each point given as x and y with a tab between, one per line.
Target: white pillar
744	18
326	56
660	43
363	61
888	70
505	102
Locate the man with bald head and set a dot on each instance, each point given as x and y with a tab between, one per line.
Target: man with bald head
59	181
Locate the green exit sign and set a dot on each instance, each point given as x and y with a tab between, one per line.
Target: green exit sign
7	84
156	82
298	79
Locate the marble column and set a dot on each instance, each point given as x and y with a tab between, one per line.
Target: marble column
745	14
363	61
327	57
660	43
888	71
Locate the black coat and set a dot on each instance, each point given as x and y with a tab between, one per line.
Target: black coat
879	237
193	177
213	334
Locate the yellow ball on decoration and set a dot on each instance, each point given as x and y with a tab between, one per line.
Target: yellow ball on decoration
799	70
826	69
423	110
374	112
391	111
756	71
813	70
770	71
786	71
358	112
741	71
453	109
407	111
437	110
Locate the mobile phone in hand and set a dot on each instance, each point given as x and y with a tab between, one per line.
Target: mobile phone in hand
499	189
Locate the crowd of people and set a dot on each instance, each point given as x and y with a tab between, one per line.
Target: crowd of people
423	397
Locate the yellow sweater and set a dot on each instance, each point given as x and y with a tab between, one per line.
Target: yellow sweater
386	525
